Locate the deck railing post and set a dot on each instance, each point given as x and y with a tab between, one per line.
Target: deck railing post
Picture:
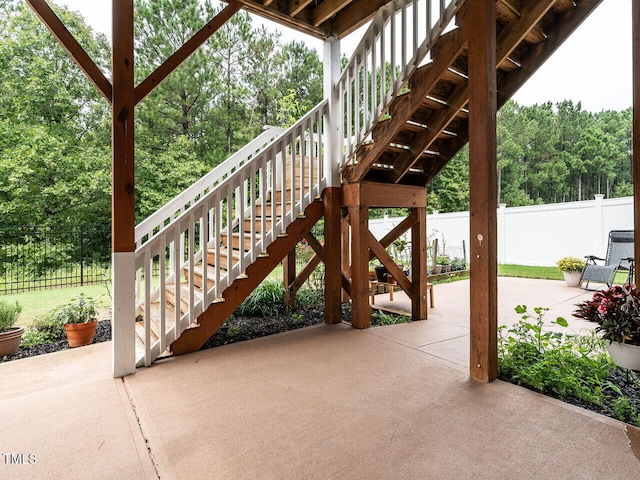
334	147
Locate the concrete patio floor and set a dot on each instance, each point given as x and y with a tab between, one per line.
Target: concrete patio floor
322	402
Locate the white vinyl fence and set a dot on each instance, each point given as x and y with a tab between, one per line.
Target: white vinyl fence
536	235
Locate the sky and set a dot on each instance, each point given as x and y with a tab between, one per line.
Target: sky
593	66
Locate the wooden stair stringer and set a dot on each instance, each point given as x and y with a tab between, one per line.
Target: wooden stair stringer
212	319
510	82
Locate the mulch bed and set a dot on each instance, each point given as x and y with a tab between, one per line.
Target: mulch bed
235	329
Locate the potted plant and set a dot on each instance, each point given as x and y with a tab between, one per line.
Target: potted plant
444	262
79	319
617	313
10	336
571	269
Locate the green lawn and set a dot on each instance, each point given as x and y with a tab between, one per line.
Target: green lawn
525	271
41	301
546	273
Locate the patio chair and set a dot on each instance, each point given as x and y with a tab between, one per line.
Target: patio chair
620	256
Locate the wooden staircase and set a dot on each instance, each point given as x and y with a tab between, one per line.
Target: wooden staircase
426	126
417	132
228	256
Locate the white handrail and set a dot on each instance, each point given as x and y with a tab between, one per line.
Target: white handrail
288	173
146	229
398	39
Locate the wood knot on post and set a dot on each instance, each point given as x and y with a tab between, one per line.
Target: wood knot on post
129	188
122	116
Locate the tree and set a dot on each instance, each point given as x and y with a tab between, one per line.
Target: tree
54	126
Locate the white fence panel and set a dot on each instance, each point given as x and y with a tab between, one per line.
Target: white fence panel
539	234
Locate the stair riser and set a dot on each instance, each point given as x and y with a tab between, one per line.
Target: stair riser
223	260
235	240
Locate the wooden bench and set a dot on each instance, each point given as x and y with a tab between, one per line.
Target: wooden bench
374	287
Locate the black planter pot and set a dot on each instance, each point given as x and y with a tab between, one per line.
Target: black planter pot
381	273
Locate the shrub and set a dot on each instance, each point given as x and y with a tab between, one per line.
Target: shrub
570	264
308	298
572	368
457	264
265	301
46	328
9	314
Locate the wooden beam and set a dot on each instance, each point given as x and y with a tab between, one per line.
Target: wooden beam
388	262
419	307
123	167
558	31
315	245
327	9
332	256
123	190
305	273
73	48
302	22
289	278
360	308
354	16
533	11
296	6
636	128
345	239
383	195
483	190
180	55
398	230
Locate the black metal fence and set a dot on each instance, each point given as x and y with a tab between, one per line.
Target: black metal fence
38	257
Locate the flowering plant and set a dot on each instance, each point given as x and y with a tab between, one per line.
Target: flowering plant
617	313
570	264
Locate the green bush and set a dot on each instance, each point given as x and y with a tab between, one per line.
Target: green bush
308	298
46	328
9	314
566	366
265	301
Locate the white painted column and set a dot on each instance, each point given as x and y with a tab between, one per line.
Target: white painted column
334	147
123	322
502	233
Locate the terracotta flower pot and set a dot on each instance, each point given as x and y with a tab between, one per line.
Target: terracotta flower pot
437	269
80	334
10	340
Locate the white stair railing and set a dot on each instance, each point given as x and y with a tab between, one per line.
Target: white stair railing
398	40
288	174
146	229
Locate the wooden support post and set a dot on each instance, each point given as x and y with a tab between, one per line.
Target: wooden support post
636	126
360	308
332	256
346	253
483	190
419	310
123	200
289	278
